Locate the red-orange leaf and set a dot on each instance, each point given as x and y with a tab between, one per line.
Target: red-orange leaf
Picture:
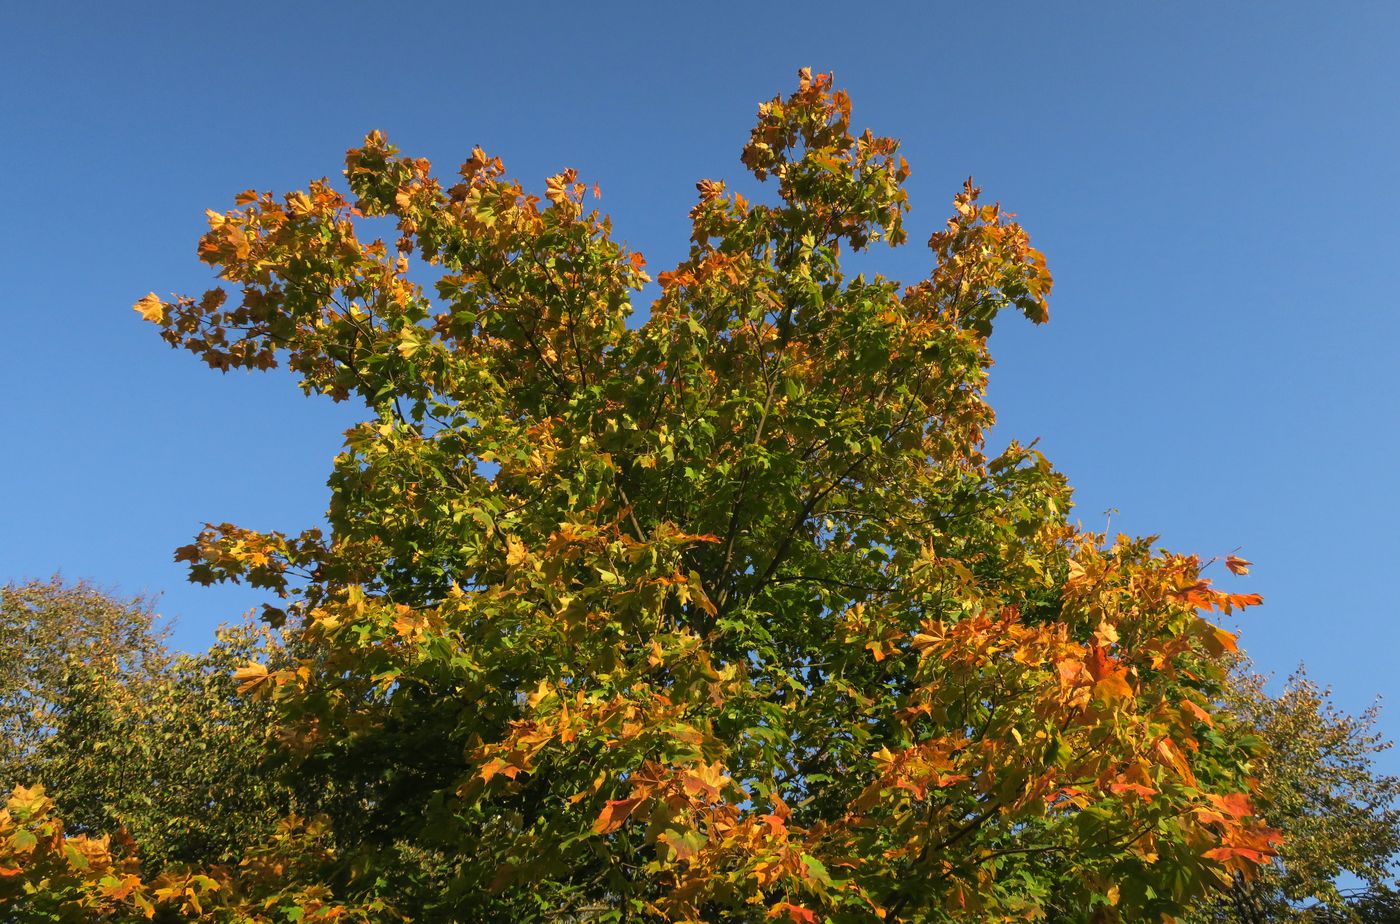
614	814
796	913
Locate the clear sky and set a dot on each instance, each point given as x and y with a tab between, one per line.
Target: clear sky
1216	187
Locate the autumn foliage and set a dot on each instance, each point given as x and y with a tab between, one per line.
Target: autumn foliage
722	614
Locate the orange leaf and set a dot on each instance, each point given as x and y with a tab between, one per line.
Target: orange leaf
1236	804
923	642
1219	640
1170	752
1114	685
1253	855
796	913
1070	671
496	766
1099	662
614	814
1197	712
1237	565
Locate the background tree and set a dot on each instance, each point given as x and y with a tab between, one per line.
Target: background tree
125	736
1317	781
48	629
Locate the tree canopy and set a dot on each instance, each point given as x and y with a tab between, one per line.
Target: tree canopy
724	612
1319	783
49	631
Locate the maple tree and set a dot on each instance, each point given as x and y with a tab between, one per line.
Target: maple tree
723	615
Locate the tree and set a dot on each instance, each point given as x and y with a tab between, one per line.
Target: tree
47	630
140	783
178	760
725	615
1318	781
125	736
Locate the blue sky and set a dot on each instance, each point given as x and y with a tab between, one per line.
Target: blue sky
1215	186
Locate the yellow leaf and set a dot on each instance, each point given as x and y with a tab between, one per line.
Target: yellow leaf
151	308
700	597
922	643
250	677
1171	754
1105	634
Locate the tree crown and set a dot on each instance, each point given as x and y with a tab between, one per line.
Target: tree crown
723	614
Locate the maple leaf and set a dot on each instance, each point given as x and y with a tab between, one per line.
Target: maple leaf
250	677
1113	686
1252	854
151	308
614	813
496	766
1237	565
1141	789
684	845
1235	804
1105	635
1100	662
1197	712
710	190
516	553
1172	754
797	914
922	643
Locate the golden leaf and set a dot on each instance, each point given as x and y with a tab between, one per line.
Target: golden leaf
151	308
250	677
